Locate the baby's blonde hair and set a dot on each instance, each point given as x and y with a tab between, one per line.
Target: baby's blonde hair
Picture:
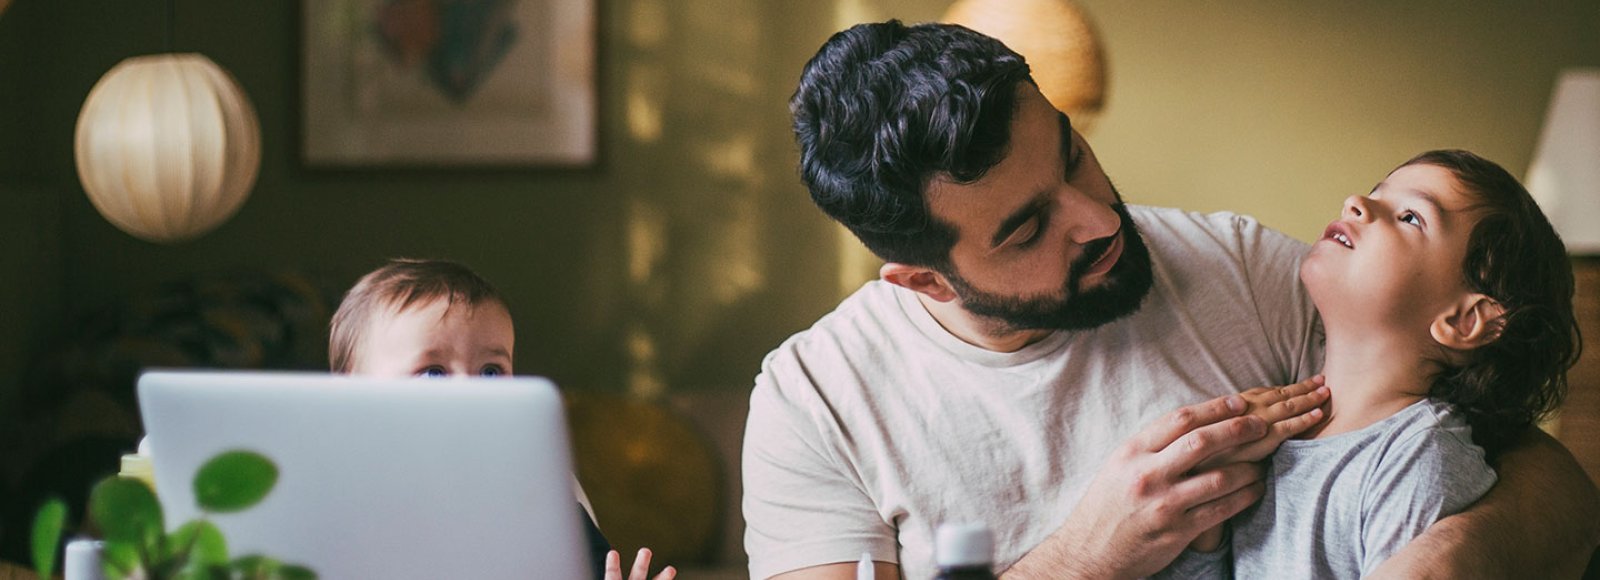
396	286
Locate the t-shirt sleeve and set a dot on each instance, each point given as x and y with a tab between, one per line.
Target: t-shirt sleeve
1422	478
1288	317
803	506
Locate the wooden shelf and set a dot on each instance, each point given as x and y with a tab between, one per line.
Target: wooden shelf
1579	427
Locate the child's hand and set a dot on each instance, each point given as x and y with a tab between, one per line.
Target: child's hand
1287	411
641	567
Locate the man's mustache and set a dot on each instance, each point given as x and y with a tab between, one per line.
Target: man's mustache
1093	251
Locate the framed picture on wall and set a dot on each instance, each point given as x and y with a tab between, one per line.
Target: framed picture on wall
448	83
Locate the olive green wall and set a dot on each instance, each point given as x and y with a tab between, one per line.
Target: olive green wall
690	249
702	189
30	239
1281	109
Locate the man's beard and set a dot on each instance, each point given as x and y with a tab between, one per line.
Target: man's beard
1076	308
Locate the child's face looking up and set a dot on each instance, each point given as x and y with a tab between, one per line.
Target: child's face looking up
1393	258
437	339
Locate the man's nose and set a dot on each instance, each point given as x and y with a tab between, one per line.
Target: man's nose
1090	219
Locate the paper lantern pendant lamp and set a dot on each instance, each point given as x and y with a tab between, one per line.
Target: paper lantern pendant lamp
167	146
1061	46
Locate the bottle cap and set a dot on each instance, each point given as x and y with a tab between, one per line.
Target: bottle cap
957	545
139	467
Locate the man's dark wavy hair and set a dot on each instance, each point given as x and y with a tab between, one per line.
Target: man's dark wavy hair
884	108
1515	257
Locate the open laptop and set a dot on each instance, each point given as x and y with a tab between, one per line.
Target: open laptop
378	478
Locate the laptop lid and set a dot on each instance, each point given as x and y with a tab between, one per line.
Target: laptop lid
378	478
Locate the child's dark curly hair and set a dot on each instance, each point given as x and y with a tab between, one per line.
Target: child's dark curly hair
1515	257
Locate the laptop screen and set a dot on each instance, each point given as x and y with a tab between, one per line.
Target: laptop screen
378	478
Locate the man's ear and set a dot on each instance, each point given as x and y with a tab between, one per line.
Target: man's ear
1471	322
918	279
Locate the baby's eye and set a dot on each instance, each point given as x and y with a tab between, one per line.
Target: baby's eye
491	371
433	372
1411	217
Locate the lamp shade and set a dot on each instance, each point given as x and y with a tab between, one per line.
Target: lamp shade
167	146
1565	173
1061	46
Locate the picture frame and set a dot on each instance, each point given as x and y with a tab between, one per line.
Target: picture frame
448	83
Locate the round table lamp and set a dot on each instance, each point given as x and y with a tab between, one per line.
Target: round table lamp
1061	47
167	146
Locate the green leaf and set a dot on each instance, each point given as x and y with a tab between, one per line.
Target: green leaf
199	573
126	511
254	566
257	567
119	559
47	526
199	542
233	481
293	572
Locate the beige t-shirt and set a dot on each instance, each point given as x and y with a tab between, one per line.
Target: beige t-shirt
876	425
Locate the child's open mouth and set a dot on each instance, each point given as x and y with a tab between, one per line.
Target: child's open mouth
1337	232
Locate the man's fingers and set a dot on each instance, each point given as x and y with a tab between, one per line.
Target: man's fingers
1189	450
667	573
1210	485
1161	434
1211	514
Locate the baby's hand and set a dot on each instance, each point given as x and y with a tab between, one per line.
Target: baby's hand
1287	411
641	567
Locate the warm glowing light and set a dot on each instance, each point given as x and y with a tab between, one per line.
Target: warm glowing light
645	85
167	146
1060	44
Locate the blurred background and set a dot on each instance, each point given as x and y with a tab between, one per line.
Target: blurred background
664	271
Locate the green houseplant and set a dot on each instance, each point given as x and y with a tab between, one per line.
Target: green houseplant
136	544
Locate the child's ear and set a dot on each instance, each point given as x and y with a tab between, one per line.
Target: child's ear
1471	322
918	279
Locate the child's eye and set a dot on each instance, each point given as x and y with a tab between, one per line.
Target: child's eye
433	372
1412	218
491	371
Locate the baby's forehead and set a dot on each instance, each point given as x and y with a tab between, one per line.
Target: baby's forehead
450	302
443	307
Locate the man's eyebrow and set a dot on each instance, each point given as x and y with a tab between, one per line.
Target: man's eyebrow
1014	221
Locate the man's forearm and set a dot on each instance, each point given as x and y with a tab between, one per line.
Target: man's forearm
1541	520
1053	559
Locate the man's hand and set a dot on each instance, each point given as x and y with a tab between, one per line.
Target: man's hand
1287	410
1149	501
1284	411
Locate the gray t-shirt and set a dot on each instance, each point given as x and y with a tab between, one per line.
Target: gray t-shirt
1338	507
876	425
